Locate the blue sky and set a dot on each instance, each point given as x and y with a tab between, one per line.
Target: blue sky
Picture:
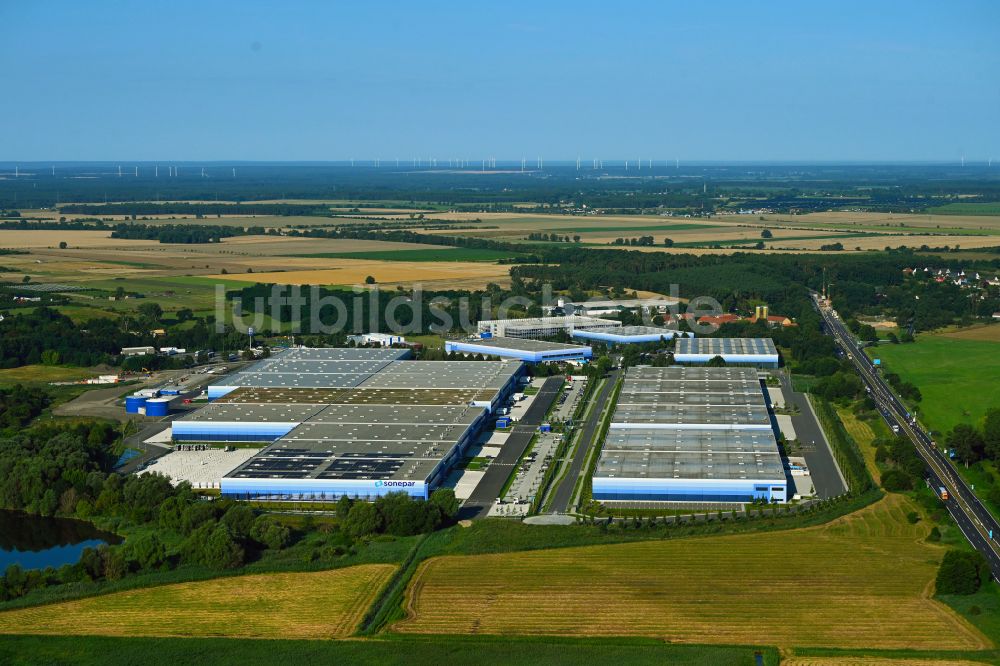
744	80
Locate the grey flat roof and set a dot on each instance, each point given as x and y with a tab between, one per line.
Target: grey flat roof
342	354
445	374
562	321
692	441
305	461
416	415
686	415
293	380
521	344
333	367
655	431
253	413
672	465
624	303
720	398
405	419
375	432
726	346
681	373
626	331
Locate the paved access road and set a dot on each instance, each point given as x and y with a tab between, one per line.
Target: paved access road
976	522
823	470
585	442
489	487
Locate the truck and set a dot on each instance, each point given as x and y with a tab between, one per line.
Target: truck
943	493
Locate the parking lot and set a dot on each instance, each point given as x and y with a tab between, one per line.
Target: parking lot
531	471
567	403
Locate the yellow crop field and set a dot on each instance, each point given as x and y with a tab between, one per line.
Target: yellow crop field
315	605
827	660
354	271
862	581
24	240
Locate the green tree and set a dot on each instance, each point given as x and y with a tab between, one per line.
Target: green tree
270	533
146	551
991	433
150	311
363	519
966	442
343	507
239	518
370	280
766	234
221	551
961	572
446	502
716	362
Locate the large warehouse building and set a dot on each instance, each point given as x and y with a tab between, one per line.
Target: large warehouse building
542	327
627	335
757	352
681	434
348	421
522	349
311	368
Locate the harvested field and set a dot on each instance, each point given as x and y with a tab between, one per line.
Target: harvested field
864	436
318	605
988	333
886	221
25	240
881	242
862	581
354	271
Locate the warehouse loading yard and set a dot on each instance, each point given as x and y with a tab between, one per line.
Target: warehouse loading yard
315	424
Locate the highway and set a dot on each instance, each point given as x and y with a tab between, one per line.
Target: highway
977	524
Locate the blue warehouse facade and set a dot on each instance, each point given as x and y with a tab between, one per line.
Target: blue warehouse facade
521	349
627	335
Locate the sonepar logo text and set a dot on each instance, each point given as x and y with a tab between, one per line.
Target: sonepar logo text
395	484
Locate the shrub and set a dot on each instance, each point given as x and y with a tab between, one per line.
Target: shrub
961	572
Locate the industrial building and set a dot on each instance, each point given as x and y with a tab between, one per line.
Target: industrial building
311	368
359	422
523	349
598	307
626	335
683	434
542	327
757	352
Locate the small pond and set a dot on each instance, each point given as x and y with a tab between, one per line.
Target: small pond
36	542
